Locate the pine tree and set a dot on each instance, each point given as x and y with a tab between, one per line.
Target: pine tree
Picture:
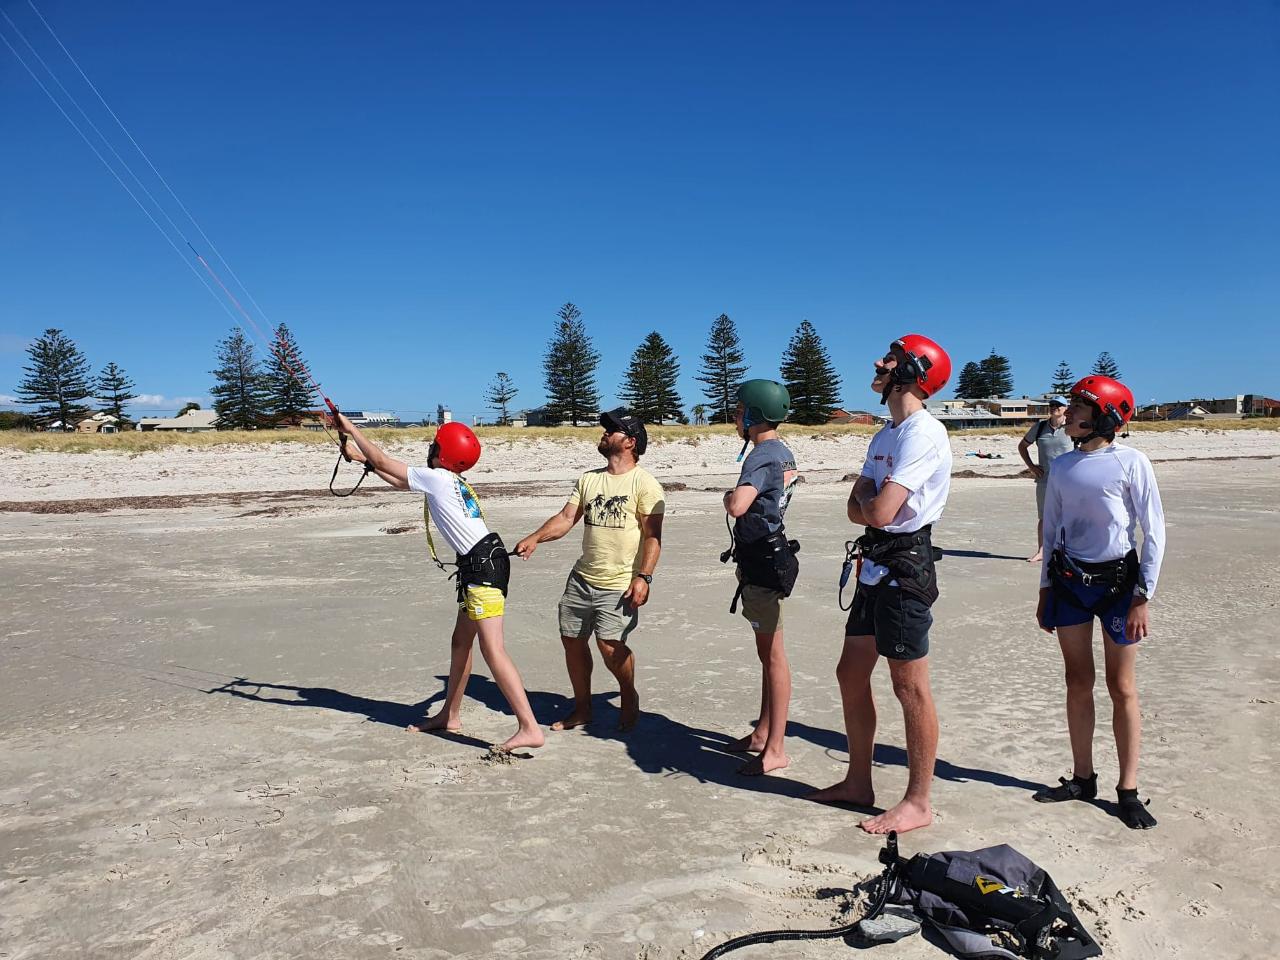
809	376
57	380
238	396
286	390
500	393
1105	366
998	375
569	367
972	382
1063	380
649	384
723	369
114	391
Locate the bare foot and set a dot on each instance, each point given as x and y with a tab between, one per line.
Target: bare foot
523	738
765	763
437	724
907	815
1039	555
575	719
748	744
630	711
853	794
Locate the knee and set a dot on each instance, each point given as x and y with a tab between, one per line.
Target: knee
849	674
910	689
1080	682
1122	689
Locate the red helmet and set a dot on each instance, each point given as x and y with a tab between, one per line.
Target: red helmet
932	366
456	447
1113	400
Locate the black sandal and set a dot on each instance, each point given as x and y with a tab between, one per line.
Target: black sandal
1133	812
1074	789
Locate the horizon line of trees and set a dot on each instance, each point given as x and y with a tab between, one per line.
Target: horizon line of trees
249	393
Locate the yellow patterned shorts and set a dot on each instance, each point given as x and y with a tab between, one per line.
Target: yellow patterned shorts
482	602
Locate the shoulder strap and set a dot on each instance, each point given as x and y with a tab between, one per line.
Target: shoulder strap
426	520
1040	429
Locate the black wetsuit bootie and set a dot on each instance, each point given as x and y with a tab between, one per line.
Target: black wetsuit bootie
1076	788
1133	812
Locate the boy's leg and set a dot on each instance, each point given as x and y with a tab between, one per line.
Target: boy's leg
622	664
507	677
1122	683
911	687
777	701
449	715
858	661
1076	642
754	741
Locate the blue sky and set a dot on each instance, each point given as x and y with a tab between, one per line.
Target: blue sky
415	188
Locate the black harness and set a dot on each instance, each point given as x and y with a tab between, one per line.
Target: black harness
910	557
768	562
1118	576
487	564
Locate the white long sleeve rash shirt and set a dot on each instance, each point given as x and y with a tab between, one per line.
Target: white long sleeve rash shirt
1093	505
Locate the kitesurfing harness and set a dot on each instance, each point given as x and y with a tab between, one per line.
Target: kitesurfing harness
910	558
487	564
768	562
989	903
1118	576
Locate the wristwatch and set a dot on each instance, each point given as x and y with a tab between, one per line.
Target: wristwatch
1140	591
646	577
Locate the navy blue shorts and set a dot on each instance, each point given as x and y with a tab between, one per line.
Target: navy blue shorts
1061	613
899	621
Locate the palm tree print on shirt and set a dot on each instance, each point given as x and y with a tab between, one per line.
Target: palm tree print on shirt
606	512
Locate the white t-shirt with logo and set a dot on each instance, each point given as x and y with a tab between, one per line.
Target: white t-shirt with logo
454	507
1093	505
915	454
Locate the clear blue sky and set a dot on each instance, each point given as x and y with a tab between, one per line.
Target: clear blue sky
415	188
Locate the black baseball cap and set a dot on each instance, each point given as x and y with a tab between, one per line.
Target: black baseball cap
623	420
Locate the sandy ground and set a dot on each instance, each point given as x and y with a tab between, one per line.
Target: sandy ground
202	709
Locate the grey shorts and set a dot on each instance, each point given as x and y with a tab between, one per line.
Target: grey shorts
586	609
1040	488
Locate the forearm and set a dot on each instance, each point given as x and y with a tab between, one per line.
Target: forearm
553	529
650	550
1025	455
862	487
391	470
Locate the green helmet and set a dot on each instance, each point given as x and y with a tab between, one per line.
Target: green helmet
764	400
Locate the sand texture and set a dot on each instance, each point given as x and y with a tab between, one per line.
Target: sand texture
203	703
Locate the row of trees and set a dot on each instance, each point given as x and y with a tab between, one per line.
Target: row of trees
246	395
993	376
59	383
649	382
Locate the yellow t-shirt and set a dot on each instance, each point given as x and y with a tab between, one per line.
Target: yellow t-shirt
611	506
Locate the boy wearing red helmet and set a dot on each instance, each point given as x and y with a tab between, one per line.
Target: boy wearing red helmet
1098	494
483	568
901	493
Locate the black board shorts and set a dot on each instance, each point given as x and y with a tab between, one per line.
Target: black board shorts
899	622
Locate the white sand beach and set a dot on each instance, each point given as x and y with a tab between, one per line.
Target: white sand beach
203	700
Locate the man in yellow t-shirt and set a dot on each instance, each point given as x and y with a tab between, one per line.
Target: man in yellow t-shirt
623	505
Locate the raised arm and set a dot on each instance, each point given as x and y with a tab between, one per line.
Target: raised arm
393	471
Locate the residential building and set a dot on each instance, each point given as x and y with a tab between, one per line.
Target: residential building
193	421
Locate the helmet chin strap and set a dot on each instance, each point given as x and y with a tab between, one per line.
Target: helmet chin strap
903	375
746	434
1098	427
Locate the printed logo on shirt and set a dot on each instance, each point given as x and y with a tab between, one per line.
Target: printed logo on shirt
470	505
789	475
602	511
